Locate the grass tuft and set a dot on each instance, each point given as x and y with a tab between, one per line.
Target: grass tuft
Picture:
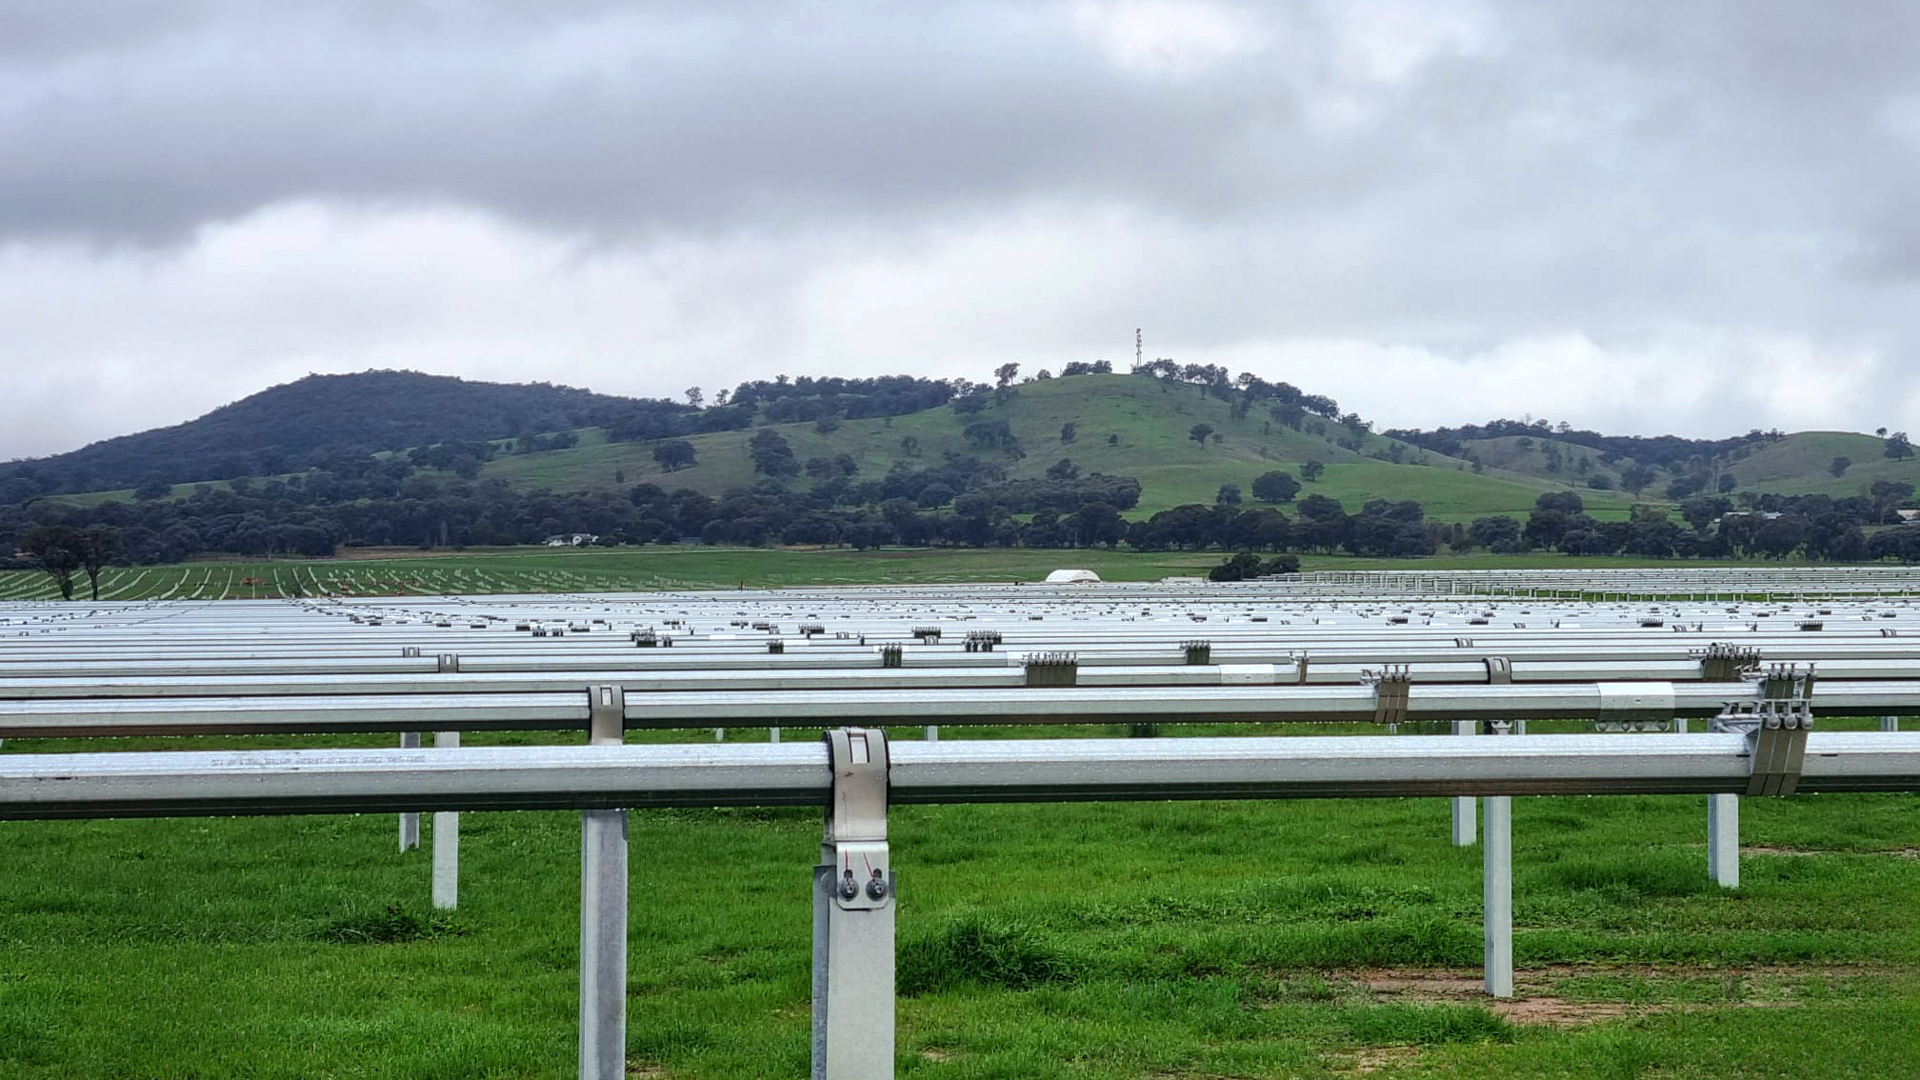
981	950
1638	877
1423	1025
392	925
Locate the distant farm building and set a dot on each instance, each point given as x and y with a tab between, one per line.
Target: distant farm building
1072	577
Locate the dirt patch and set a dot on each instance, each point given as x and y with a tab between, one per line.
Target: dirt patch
637	1071
1528	1007
1531	1004
1375	1058
938	1054
1559	1012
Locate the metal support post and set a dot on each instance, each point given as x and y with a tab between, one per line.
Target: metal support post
1497	895
446	840
603	911
773	735
1889	723
853	917
1465	807
409	823
933	733
1723	840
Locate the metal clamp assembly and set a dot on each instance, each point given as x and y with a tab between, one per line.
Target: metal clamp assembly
856	831
1052	669
853	916
1776	734
1391	690
1784	682
859	760
1499	671
1724	661
1198	652
857	821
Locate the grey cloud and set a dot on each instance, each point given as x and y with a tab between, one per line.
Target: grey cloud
1706	171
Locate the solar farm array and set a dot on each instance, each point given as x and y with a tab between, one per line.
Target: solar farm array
1749	656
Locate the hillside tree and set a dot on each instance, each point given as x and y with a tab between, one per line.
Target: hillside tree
1635	478
61	552
1199	432
1311	471
1839	466
675	454
1275	486
772	455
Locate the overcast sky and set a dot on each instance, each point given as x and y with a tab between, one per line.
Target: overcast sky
1699	216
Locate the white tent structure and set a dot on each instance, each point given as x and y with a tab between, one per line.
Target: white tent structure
1072	577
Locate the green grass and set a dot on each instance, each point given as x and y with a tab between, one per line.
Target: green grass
1097	941
656	568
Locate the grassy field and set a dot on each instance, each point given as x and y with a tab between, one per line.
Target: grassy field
1153	941
652	568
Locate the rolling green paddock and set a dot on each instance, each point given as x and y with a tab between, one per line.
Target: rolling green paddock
589	570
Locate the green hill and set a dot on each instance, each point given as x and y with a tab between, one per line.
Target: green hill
1125	425
1797	464
293	426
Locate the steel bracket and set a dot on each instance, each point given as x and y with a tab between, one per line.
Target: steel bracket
1052	669
1391	691
1776	734
1786	682
1723	661
859	810
1499	671
606	715
853	916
